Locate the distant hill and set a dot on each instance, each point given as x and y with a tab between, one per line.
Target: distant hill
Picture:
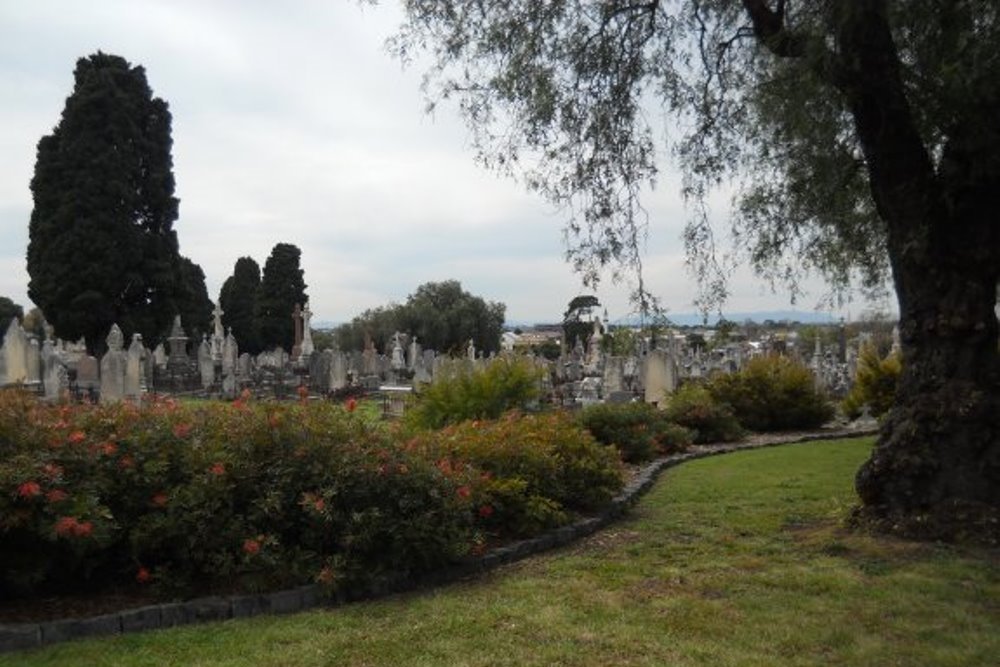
694	319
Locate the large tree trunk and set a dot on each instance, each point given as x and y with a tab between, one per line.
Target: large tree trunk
935	471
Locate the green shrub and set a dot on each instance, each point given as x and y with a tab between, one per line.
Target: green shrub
773	393
506	383
694	408
874	384
638	430
195	498
239	496
535	469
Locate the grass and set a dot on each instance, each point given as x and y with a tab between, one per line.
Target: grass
734	560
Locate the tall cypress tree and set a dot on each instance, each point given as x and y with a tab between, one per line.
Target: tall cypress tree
102	248
238	300
193	304
281	287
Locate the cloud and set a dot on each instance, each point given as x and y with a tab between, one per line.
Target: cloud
292	124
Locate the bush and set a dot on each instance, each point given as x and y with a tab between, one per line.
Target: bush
773	393
221	497
248	496
694	408
874	384
507	383
536	470
638	430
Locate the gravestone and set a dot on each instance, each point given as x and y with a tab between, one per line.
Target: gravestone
320	364
231	355
113	367
88	375
614	375
415	355
34	362
338	370
244	366
160	355
206	365
659	376
134	384
15	353
307	347
297	320
56	379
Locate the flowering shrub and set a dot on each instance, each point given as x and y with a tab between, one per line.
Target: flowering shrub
693	407
504	384
638	430
525	473
193	498
773	393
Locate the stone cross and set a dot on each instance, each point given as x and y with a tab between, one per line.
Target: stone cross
217	321
307	340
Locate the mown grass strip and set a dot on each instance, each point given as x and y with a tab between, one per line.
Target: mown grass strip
732	560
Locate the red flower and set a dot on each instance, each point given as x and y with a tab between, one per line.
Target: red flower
182	430
84	529
159	499
319	504
463	491
351	404
143	576
76	437
251	546
56	496
66	525
218	468
486	511
29	489
109	448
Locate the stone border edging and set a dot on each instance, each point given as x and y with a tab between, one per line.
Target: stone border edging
23	636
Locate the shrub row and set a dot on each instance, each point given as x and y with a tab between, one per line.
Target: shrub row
638	430
251	496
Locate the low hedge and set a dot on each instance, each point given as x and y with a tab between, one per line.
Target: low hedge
638	430
189	498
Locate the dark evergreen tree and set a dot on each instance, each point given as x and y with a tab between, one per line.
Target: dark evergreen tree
102	248
281	287
9	311
578	319
238	300
861	139
193	304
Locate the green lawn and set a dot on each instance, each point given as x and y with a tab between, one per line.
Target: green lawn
733	560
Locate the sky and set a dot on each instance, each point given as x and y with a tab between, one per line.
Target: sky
292	123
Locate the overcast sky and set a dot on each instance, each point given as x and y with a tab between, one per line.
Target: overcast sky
291	123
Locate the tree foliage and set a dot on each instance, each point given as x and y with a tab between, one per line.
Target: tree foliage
238	300
578	319
859	138
193	304
282	286
102	248
442	316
